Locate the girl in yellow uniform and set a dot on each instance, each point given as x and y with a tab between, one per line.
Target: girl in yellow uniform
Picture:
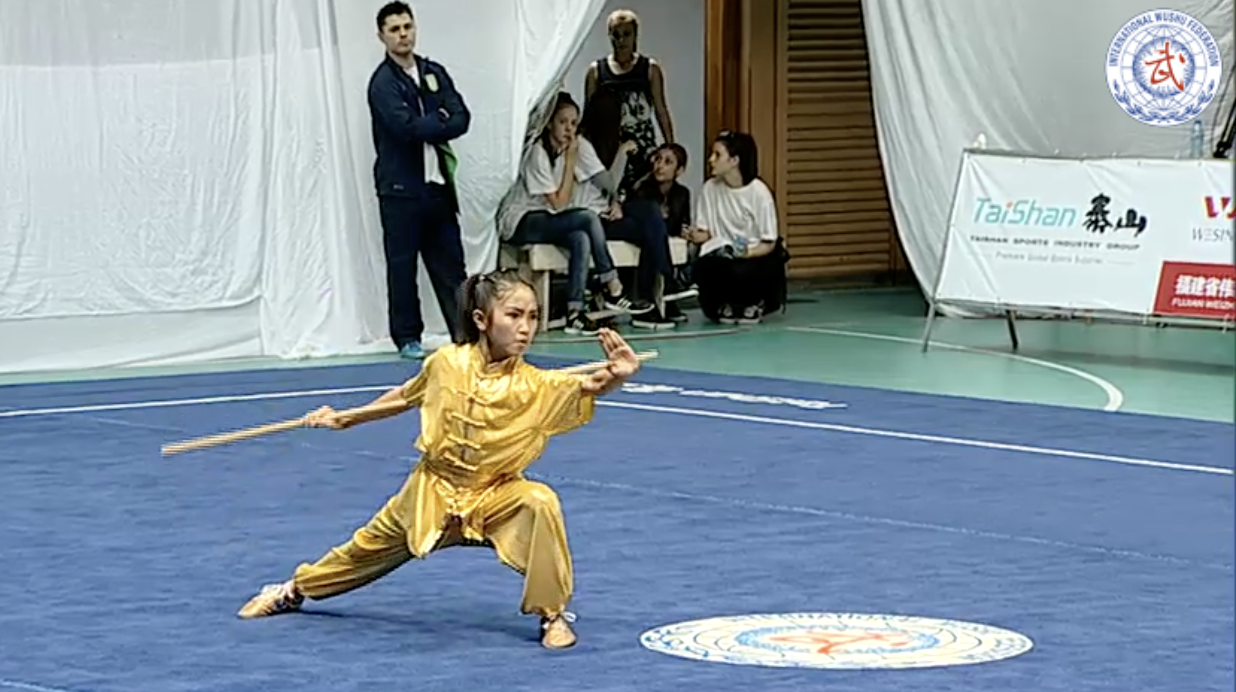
486	416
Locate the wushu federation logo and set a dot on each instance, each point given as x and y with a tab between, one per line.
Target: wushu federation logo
1164	67
843	641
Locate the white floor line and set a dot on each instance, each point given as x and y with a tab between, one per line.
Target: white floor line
1115	397
14	684
165	403
667	335
834	427
940	439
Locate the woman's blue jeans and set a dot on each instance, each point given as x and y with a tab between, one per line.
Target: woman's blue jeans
581	234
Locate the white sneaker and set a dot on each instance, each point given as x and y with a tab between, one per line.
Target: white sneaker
752	314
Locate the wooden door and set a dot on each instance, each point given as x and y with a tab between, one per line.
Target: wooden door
795	74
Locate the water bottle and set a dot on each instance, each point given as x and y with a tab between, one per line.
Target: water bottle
740	246
1197	140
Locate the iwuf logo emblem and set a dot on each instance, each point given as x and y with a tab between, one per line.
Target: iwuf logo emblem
1164	67
840	641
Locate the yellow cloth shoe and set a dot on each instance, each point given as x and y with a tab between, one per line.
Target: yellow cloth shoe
273	600
556	633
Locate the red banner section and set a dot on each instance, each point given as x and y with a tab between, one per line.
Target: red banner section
1188	289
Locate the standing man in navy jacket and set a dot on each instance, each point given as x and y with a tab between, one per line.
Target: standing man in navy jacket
416	112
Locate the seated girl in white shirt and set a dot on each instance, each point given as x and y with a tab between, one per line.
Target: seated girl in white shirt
741	268
554	201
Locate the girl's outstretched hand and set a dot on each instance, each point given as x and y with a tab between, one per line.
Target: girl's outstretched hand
622	360
324	417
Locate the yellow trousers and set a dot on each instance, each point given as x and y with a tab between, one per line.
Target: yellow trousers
522	522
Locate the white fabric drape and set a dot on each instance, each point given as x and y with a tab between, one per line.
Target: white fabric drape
1028	76
186	181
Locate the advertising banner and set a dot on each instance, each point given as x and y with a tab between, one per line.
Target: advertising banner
1138	236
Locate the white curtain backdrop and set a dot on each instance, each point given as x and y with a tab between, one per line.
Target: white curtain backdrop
1028	76
186	181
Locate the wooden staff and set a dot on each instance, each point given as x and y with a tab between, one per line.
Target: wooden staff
302	422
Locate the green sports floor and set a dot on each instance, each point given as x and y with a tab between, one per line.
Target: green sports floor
871	337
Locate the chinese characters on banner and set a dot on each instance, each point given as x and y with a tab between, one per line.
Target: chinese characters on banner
1197	290
1098	220
1163	69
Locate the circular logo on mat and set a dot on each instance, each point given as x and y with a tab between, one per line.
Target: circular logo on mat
836	640
1164	67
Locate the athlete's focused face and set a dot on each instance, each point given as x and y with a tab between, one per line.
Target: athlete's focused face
511	323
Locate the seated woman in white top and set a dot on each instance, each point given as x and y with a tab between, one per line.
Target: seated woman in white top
741	268
555	201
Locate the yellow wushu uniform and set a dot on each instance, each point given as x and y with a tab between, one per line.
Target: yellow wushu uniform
482	425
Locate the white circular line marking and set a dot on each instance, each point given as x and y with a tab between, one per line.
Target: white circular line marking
1115	397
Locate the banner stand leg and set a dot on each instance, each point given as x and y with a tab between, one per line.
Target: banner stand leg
931	318
1011	321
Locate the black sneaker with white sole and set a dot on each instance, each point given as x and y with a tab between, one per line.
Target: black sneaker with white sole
581	323
676	291
674	314
653	320
628	306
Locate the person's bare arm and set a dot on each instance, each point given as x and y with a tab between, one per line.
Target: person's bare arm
393	402
619	167
760	249
765	212
590	82
610	180
659	104
697	235
566	187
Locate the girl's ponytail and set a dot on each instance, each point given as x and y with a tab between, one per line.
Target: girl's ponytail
480	292
468	303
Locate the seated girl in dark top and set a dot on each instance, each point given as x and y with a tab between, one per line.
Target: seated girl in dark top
673	199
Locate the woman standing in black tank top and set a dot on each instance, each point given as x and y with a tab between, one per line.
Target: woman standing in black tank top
635	85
